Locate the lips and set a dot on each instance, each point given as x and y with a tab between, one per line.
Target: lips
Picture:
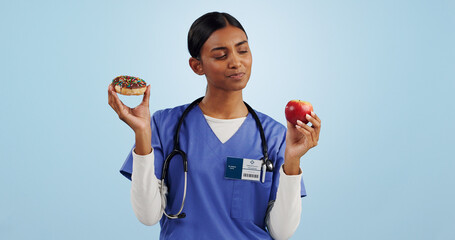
237	75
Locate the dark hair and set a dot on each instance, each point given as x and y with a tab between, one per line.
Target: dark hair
204	26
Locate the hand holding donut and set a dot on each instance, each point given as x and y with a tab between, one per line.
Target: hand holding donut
137	118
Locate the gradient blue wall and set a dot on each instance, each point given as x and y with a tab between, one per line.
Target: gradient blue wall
380	75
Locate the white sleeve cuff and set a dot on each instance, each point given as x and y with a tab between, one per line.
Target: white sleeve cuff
295	177
142	162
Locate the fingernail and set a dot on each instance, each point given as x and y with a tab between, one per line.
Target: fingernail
307	116
312	113
297	126
299	122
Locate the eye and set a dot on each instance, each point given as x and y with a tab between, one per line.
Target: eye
221	57
243	49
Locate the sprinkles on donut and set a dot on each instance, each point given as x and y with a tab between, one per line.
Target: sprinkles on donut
129	85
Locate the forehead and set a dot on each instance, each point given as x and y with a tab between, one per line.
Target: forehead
224	37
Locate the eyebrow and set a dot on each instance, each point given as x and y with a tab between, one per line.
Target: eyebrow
222	48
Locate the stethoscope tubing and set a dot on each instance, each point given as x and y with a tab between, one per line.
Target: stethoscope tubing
267	163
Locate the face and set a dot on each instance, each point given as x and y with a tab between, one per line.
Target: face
226	60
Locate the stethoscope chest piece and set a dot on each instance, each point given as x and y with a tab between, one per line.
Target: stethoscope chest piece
269	165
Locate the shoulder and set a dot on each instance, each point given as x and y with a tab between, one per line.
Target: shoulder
274	132
270	125
169	114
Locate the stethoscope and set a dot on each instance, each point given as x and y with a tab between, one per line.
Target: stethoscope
266	162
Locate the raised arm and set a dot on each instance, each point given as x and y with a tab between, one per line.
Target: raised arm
147	201
283	216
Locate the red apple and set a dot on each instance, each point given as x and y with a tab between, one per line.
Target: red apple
297	110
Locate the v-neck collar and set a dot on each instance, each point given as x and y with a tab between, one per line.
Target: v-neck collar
201	136
213	135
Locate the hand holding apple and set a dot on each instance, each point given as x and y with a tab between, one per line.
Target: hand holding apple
299	137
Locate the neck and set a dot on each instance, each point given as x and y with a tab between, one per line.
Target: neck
224	105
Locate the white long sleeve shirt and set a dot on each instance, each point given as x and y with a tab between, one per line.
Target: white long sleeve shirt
148	202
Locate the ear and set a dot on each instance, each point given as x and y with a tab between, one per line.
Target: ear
196	65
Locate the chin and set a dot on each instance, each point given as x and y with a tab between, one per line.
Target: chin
230	85
241	85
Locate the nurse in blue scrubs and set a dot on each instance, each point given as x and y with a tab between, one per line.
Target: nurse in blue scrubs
216	206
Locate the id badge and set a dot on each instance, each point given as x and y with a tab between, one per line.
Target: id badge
244	169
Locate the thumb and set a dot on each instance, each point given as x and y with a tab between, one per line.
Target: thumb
290	125
146	98
291	132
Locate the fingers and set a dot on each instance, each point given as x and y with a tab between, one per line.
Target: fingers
303	128
111	97
306	130
314	120
114	101
118	104
307	135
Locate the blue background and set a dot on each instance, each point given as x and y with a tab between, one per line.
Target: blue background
380	75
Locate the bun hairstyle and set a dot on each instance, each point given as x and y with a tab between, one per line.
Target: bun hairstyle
204	26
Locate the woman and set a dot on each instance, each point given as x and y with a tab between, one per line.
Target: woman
218	130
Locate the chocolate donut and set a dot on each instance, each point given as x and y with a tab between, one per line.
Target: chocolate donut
129	85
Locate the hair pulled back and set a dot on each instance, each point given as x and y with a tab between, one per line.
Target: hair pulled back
204	26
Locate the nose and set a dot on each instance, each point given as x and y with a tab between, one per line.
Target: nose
234	61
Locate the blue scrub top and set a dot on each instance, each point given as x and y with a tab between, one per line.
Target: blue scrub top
215	207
